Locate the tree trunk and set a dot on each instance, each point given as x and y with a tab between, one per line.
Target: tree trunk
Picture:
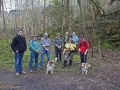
4	23
44	24
68	16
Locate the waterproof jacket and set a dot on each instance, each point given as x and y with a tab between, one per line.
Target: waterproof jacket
19	43
83	45
75	39
70	47
58	41
34	46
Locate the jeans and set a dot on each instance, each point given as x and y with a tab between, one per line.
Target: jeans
18	61
83	57
58	52
32	57
47	52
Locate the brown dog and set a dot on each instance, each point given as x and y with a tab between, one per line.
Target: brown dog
50	66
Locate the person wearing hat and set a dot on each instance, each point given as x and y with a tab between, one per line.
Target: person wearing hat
69	51
83	46
45	43
58	41
34	47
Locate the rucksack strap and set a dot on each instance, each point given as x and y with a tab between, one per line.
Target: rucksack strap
84	43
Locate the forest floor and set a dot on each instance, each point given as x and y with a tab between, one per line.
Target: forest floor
102	75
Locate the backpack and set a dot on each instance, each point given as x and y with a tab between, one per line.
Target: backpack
11	44
30	47
84	43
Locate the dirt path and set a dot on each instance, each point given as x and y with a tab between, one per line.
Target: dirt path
102	76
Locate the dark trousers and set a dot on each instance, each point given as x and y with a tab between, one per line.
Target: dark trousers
68	55
83	57
58	52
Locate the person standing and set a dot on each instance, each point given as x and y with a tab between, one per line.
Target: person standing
69	51
34	52
66	38
58	46
19	46
75	38
45	43
83	46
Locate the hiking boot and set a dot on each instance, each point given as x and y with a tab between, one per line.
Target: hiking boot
65	62
70	62
22	72
17	74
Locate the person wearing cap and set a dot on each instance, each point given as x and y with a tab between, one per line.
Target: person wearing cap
66	38
45	43
58	46
83	46
34	47
69	51
19	46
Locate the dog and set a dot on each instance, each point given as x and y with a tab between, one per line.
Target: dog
50	66
85	67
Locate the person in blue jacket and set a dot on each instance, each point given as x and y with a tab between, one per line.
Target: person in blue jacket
75	38
34	52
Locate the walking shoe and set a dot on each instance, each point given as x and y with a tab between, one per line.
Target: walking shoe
31	71
17	74
22	72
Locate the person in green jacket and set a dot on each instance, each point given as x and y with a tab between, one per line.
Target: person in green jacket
34	52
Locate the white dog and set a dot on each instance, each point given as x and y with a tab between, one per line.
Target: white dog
85	67
50	66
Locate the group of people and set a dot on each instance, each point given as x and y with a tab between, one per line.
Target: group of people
66	46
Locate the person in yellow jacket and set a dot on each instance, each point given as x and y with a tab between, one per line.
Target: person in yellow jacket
69	51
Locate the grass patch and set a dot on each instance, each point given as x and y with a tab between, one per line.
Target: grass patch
7	60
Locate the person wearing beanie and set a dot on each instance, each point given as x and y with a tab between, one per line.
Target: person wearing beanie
83	46
45	43
69	51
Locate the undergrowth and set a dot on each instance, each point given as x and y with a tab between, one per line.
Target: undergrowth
7	60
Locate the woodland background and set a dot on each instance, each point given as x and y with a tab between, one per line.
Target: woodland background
98	20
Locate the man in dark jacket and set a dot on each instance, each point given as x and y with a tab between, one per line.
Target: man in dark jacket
58	41
19	46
